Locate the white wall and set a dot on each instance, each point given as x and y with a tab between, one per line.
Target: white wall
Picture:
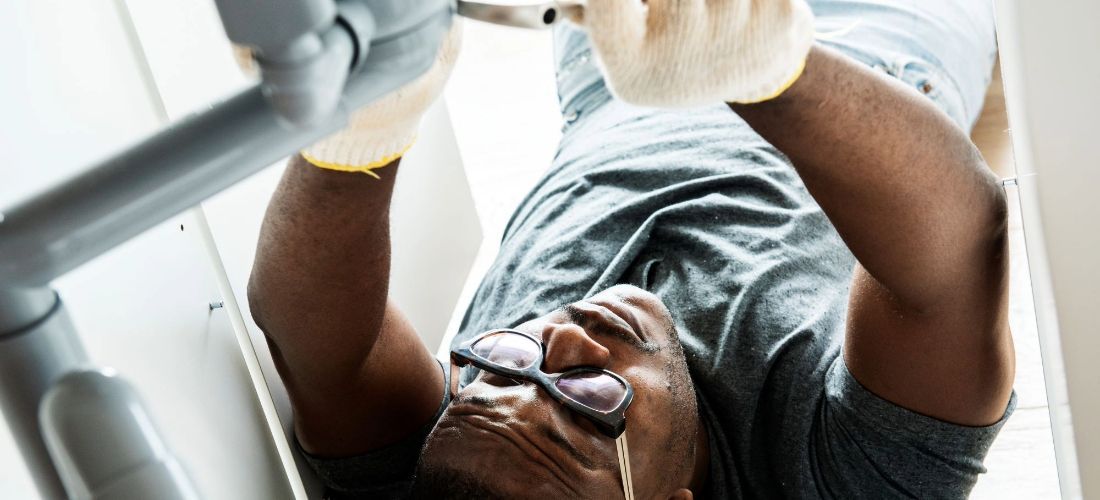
1051	77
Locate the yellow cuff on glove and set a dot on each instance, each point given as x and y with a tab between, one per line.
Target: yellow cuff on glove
383	132
368	168
685	53
782	88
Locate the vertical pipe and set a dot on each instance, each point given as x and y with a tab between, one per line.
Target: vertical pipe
105	444
37	346
22	307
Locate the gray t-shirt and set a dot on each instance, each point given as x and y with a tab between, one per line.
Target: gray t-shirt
700	210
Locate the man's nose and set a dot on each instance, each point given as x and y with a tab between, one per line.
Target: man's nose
568	346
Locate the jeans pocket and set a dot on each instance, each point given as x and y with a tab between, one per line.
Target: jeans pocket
572	62
933	83
917	73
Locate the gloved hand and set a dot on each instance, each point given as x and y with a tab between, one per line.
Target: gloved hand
384	130
682	53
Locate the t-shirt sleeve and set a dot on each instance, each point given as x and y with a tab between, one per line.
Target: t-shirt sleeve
383	473
867	447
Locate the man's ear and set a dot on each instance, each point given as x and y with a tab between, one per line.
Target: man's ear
681	494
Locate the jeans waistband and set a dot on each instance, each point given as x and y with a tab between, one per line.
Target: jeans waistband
944	49
581	87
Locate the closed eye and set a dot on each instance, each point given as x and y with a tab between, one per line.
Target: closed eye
582	319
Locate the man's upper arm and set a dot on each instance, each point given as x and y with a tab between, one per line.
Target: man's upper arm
359	377
910	195
346	405
954	362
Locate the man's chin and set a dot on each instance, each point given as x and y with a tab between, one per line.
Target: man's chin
481	463
457	447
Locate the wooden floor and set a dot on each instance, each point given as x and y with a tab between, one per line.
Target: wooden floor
503	103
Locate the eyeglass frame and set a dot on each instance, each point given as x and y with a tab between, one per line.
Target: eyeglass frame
611	424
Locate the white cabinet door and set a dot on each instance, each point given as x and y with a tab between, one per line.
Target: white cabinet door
145	309
1051	77
73	90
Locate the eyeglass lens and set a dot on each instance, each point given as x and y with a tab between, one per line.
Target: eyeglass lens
508	350
598	391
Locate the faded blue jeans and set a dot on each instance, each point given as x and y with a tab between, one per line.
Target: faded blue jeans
943	48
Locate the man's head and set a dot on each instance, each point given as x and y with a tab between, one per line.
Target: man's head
500	438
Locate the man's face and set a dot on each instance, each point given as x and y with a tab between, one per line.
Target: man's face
515	438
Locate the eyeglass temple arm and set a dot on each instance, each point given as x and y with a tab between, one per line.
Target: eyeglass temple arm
623	453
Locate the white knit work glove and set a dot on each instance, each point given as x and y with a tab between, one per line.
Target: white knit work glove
683	53
384	130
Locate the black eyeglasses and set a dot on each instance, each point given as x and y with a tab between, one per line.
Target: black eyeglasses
600	395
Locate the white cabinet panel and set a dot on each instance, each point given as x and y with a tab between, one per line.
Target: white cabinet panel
95	76
144	309
73	90
70	92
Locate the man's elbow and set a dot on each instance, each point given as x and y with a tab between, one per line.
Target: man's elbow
969	261
993	236
257	299
982	235
996	210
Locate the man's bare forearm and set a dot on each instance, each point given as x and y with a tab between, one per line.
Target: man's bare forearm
359	377
904	186
322	266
